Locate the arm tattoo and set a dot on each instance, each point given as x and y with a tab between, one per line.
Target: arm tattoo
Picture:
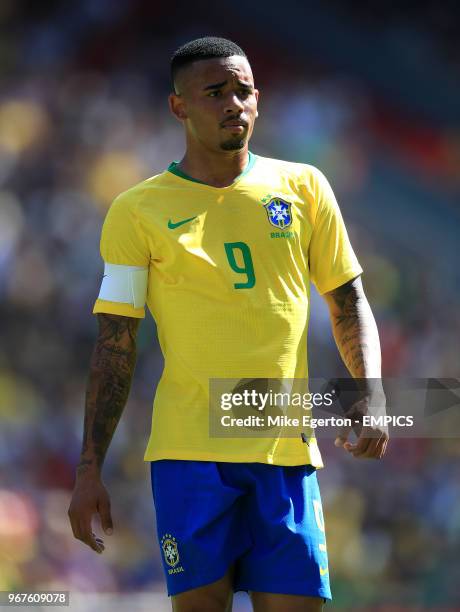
112	367
354	330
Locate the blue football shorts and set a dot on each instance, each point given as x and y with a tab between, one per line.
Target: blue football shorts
267	520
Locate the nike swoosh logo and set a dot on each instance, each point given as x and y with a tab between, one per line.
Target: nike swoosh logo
173	225
323	570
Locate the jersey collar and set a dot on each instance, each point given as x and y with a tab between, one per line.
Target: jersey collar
173	168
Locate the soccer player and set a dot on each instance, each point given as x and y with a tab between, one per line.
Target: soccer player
222	246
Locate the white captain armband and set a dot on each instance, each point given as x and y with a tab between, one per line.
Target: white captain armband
124	284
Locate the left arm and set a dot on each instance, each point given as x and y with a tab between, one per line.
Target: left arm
355	333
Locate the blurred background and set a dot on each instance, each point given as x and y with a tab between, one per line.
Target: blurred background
368	92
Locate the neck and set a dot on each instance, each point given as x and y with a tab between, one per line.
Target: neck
215	169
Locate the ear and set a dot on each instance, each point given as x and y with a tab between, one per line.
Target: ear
177	106
256	93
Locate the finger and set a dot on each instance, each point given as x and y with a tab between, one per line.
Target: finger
342	436
73	524
383	447
99	541
372	449
377	450
88	537
367	442
105	514
360	447
77	527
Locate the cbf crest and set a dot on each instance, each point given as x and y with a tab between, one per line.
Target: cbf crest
170	550
279	212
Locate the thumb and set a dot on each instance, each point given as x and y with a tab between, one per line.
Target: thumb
106	517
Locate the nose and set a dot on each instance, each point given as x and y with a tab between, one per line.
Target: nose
233	104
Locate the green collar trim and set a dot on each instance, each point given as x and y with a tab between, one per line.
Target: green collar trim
173	168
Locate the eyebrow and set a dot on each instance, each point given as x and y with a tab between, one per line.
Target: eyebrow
215	86
219	85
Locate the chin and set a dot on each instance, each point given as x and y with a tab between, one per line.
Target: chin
233	145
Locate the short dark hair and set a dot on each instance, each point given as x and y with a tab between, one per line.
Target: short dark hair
207	47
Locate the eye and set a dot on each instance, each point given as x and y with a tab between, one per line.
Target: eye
245	93
214	94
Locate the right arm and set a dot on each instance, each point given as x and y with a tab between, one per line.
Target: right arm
111	370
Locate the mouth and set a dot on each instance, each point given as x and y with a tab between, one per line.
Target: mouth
235	126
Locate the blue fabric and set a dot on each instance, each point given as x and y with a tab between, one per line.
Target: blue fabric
267	519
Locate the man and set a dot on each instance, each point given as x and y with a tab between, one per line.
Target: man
223	246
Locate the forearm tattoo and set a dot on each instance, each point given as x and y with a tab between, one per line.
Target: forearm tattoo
355	330
112	367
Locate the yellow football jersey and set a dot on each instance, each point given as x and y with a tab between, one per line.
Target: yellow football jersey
229	273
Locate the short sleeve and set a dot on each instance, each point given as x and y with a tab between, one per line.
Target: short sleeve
122	243
331	257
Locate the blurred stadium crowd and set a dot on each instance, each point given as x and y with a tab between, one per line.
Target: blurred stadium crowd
83	116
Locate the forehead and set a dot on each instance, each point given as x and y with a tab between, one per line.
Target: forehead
216	70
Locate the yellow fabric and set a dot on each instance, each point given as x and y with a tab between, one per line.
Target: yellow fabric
207	327
127	310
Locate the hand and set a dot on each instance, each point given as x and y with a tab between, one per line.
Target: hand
90	497
372	440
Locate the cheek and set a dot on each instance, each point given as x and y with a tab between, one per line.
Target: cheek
203	115
251	106
203	123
